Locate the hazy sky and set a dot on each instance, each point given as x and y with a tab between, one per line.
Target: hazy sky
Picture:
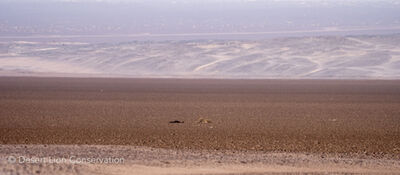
73	17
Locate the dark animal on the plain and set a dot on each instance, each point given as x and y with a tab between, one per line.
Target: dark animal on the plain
176	121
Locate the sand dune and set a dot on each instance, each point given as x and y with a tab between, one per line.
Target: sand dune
306	57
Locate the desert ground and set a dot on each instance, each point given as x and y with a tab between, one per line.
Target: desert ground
225	126
320	57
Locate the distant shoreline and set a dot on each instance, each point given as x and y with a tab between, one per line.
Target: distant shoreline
216	36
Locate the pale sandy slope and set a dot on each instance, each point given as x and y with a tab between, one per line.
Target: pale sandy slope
376	57
140	160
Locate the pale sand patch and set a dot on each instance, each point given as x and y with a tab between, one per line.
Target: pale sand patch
8	54
67	43
360	41
152	161
209	46
35	64
47	49
248	45
219	58
25	42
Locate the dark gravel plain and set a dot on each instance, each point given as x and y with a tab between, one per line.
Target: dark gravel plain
343	117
